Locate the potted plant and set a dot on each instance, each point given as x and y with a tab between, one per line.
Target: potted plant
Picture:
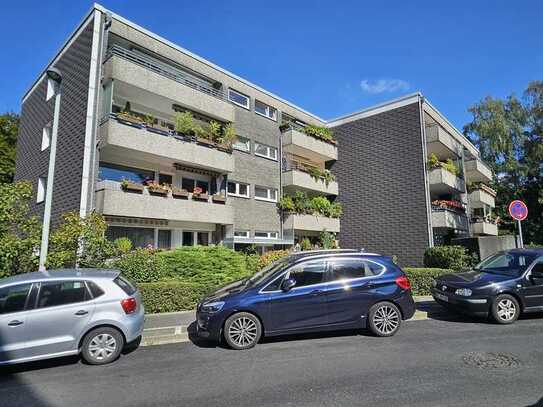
180	193
199	194
155	188
228	138
129	186
218	198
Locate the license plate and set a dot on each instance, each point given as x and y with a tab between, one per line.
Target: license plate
441	297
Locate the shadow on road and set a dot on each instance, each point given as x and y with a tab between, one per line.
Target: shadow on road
537	404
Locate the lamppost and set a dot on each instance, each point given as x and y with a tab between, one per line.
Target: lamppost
54	75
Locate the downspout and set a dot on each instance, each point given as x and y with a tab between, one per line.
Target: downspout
425	172
281	216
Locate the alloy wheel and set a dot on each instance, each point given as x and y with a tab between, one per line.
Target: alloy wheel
506	309
102	346
243	331
386	319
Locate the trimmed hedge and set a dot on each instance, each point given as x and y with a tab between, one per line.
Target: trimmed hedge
421	278
140	266
170	296
269	257
448	257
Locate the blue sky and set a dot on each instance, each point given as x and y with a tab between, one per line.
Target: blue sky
327	59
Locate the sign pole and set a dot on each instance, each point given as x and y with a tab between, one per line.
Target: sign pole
521	242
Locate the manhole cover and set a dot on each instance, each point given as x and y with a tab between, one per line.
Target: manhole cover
489	360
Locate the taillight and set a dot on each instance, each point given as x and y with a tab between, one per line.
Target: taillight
403	283
129	305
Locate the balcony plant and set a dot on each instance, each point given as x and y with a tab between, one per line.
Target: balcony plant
129	186
449	165
301	204
319	132
155	188
180	193
227	138
449	204
475	186
219	198
199	194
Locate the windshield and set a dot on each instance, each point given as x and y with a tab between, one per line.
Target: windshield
268	271
509	264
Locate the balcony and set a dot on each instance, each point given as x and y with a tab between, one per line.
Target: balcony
484	228
297	143
308	178
112	200
119	138
311	223
441	143
477	171
482	196
448	219
445	182
155	77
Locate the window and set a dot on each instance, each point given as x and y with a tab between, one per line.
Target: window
164	239
46	137
346	269
242	144
51	89
238	189
308	273
140	237
189	184
62	293
265	151
509	263
125	285
188	239
242	233
265	194
94	289
238	98
265	110
165	179
266	235
42	186
13	298
203	238
114	172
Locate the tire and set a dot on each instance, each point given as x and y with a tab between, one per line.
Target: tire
505	309
102	346
242	331
384	319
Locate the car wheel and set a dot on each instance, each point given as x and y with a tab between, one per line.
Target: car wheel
242	331
102	346
505	309
384	319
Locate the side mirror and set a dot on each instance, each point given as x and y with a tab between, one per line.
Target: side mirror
288	284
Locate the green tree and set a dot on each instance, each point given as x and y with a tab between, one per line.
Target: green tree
9	128
19	231
509	135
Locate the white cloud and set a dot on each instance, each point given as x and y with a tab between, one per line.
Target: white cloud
384	85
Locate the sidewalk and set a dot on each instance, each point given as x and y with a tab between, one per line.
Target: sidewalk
172	327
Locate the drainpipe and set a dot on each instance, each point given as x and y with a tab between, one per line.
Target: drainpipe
425	172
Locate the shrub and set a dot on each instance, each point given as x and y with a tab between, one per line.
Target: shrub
286	203
327	240
123	245
171	296
421	278
140	265
184	122
209	265
447	257
271	256
320	205
322	133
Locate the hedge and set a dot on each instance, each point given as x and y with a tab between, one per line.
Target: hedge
170	296
421	278
448	257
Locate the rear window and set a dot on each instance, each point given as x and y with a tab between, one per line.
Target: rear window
126	286
94	289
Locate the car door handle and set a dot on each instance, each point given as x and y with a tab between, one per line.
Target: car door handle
316	292
81	312
15	323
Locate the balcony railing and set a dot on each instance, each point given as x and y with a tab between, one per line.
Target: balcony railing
171	73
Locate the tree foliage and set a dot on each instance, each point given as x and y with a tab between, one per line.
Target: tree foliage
509	134
19	231
9	128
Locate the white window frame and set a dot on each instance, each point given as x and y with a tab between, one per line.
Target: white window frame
46	137
51	89
268	149
246	106
269	235
247	143
269	194
237	193
242	234
41	190
270	111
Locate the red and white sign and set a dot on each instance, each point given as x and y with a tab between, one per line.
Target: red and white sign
518	210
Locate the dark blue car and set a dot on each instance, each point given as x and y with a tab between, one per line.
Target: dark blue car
502	286
308	292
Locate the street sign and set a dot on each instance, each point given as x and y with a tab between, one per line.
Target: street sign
518	210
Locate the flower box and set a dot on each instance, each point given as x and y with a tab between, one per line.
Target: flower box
220	199
130	119
157	190
200	197
180	193
129	186
206	142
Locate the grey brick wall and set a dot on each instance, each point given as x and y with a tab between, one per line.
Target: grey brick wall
381	176
36	112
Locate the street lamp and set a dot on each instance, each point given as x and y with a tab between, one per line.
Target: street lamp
54	75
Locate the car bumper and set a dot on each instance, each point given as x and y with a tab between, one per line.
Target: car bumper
407	304
472	306
209	326
133	325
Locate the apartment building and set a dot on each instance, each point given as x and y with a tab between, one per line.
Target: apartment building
123	150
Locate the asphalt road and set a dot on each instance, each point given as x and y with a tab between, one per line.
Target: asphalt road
421	366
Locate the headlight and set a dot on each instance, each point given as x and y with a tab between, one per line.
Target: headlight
212	306
464	292
434	283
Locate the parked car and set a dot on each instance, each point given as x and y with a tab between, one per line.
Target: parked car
95	313
308	292
502	286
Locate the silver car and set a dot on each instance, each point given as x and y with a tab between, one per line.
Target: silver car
95	313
